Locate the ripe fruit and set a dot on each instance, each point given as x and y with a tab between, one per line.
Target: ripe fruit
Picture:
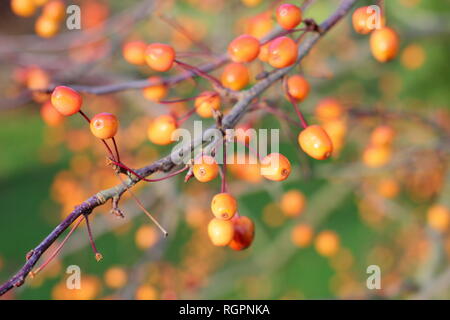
235	76
206	103
301	235
384	44
264	52
223	206
244	233
336	130
327	243
50	115
260	25
134	52
282	52
45	27
156	91
159	56
292	203
205	169
66	100
315	142
54	10
382	136
115	277
362	19
388	188
37	79
298	87
244	48
329	109
161	128
220	232
23	8
438	217
275	167
104	125
288	16
376	156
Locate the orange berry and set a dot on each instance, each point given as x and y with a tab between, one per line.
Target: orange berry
260	25
301	235
282	52
315	142
382	136
336	130
251	3
50	115
438	217
161	128
146	292
23	8
104	125
298	87
327	243
66	100
384	44
244	233
329	109
235	76
115	277
264	52
288	16
134	52
275	167
220	232
388	188
244	48
146	237
156	91
205	169
37	79
159	56
223	206
54	10
292	203
206	102
376	156
362	19
45	27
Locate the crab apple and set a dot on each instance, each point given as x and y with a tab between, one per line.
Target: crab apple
156	91
275	167
315	142
298	87
235	76
205	169
23	8
161	128
327	243
438	217
292	203
301	235
361	19
54	10
159	56
260	25
282	52
384	44
50	115
288	16
66	100
329	109
206	102
223	206
376	156
251	3
264	52
220	232
244	233
104	125
134	52
382	135
244	48
45	27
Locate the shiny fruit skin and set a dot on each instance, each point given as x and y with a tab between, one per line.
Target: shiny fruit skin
244	48
384	44
66	100
298	87
292	203
50	115
161	129
206	103
244	233
134	52
157	91
288	16
235	76
104	125
205	169
282	52
160	56
275	167
223	206
220	232
315	142
360	20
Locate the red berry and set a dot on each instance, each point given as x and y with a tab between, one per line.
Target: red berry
244	48
66	100
282	52
160	56
104	125
288	16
